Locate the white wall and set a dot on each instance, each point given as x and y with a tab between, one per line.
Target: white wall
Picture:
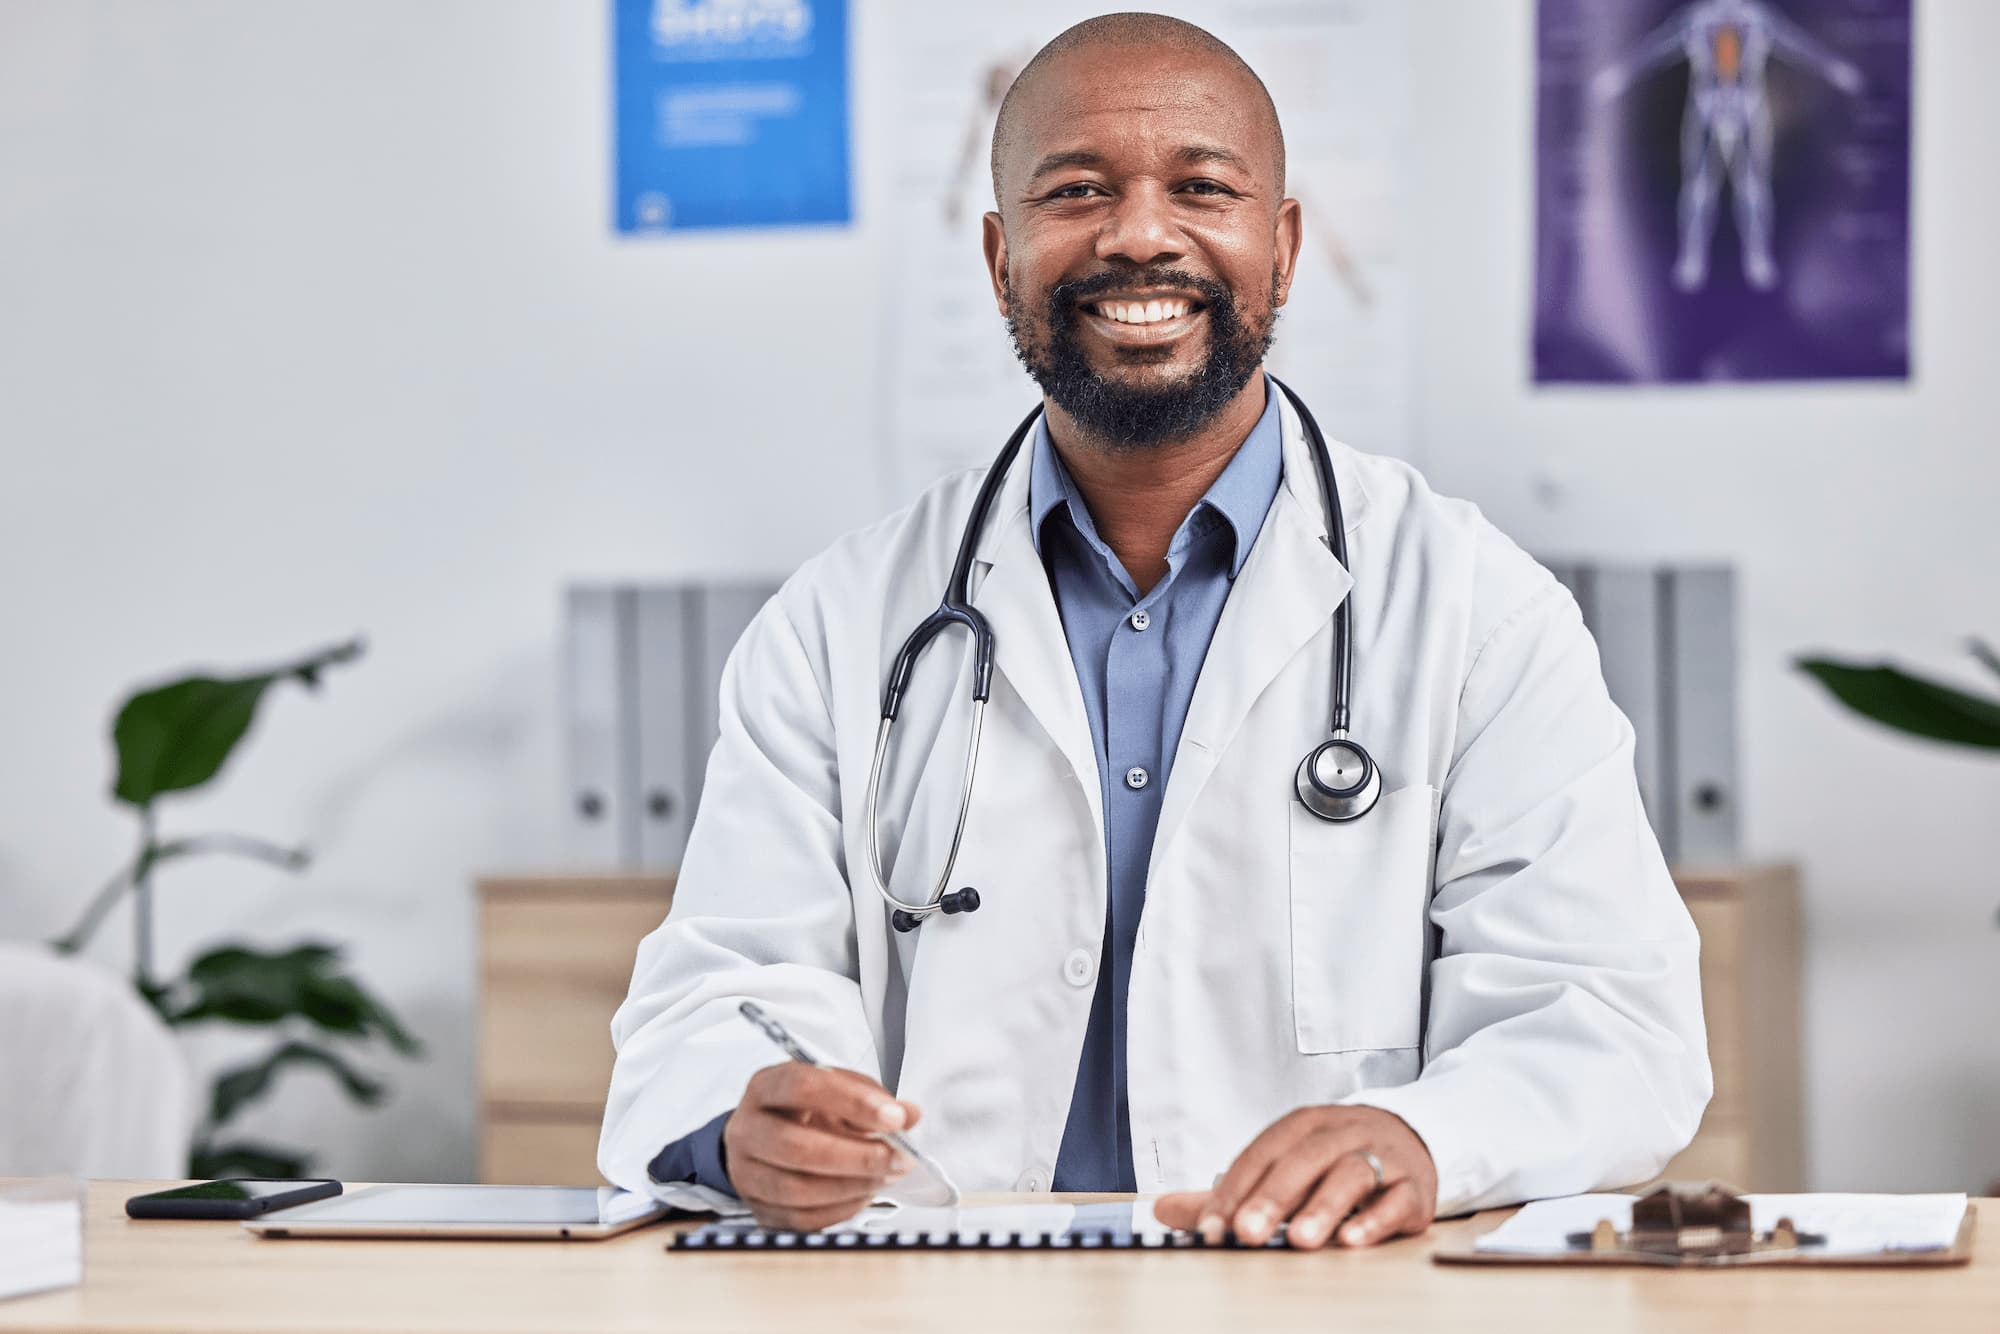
1861	520
311	323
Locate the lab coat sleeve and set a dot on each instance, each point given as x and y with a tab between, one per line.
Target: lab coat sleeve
761	911
1564	1049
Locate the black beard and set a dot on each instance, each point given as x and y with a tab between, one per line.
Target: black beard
1127	417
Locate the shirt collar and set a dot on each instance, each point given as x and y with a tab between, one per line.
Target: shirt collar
1240	496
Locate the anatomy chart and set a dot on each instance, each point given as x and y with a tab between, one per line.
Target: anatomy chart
1723	190
952	384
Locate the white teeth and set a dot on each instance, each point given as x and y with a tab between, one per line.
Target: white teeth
1143	312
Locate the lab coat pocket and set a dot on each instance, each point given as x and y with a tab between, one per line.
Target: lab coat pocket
1360	903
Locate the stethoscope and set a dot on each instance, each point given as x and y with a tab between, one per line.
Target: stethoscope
1337	780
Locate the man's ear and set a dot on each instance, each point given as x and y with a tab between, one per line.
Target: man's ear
993	236
1289	235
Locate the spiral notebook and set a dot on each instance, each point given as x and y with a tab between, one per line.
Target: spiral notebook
1053	1227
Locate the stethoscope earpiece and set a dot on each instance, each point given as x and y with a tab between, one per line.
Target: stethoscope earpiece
958	901
1338	780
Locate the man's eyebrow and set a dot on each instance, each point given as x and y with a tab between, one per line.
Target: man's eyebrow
1075	157
1212	153
1084	157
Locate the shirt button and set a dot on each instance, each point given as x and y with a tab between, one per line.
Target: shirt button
1135	778
1140	620
1030	1182
1080	967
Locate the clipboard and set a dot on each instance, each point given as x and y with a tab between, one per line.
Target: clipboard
1704	1227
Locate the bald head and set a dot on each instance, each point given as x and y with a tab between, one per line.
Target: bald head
1153	33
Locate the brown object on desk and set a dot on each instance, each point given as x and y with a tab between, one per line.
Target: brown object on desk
1702	1227
215	1277
555	959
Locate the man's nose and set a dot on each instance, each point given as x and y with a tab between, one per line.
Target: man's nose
1141	229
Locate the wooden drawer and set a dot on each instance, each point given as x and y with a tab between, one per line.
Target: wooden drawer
1720	922
556	960
1720	1151
532	1150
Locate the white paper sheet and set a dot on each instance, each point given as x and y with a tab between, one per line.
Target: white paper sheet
1852	1224
41	1236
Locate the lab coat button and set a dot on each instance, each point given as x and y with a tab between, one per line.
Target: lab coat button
1135	778
1030	1182
1079	968
1140	620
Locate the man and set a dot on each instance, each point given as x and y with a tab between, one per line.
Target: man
1179	979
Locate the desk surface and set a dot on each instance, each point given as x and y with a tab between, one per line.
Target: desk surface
206	1277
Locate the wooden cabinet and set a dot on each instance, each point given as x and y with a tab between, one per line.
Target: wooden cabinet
1753	1134
556	958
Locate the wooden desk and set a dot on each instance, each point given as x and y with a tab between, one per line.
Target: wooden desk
211	1277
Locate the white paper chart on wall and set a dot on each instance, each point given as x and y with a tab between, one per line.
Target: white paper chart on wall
1338	73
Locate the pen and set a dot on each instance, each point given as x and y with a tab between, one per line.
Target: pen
793	1048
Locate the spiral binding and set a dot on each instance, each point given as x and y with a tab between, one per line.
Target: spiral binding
725	1238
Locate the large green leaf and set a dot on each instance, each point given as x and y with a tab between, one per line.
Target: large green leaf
1984	652
245	1158
174	737
1910	703
247	1083
242	985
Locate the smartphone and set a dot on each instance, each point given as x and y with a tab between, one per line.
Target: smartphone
235	1197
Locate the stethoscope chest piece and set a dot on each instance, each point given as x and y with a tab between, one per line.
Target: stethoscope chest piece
1338	780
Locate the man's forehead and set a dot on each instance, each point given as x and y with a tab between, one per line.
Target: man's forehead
1122	80
1108	99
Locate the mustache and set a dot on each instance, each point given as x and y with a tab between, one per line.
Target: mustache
1065	297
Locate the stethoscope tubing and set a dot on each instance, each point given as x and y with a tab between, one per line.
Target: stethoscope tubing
955	608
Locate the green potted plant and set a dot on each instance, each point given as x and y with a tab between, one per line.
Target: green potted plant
1912	704
175	738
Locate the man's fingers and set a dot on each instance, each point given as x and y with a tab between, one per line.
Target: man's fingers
817	1150
1288	1181
842	1095
1397	1210
761	1184
1347	1182
1226	1199
1180	1210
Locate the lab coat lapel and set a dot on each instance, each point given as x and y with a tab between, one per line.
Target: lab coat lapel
1283	597
1030	649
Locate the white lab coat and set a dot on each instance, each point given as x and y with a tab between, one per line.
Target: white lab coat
1495	953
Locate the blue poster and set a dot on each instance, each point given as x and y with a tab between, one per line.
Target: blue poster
731	113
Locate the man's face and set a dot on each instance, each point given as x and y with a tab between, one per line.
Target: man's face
1142	250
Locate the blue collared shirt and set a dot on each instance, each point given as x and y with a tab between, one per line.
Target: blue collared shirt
1137	659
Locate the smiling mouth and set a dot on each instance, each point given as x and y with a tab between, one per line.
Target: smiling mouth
1153	310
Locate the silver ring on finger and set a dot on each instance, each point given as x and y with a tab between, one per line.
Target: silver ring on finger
1374	1165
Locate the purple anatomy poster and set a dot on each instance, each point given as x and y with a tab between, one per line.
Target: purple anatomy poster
1722	190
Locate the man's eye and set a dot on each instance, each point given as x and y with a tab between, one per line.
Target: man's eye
1079	190
1207	188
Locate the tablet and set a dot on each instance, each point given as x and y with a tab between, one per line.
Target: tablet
564	1213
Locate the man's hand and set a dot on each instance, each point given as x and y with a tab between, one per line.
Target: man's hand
1308	1168
798	1146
